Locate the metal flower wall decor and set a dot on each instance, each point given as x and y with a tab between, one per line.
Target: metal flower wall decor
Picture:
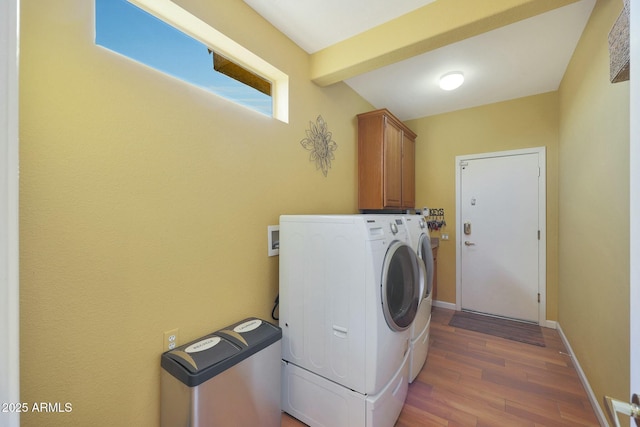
319	142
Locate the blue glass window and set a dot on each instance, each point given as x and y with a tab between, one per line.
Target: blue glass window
130	31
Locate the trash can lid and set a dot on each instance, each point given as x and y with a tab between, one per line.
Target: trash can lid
200	360
251	333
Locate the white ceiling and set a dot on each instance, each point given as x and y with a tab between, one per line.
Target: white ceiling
316	24
525	58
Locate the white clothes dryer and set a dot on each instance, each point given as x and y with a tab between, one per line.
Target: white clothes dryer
349	292
420	241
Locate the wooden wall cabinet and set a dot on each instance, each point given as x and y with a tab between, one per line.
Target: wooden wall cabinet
386	162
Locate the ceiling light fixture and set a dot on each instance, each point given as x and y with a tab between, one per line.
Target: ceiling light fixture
452	80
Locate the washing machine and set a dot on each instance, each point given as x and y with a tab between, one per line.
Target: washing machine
420	241
349	293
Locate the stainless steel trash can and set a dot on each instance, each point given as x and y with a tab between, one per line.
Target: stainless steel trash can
228	378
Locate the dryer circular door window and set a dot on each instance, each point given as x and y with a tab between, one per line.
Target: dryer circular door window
426	254
400	286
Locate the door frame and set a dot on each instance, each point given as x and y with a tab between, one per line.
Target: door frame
634	215
9	284
542	215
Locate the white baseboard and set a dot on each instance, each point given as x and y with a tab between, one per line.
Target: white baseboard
442	304
551	324
583	378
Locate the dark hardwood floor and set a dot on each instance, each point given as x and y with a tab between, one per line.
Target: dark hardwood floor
474	379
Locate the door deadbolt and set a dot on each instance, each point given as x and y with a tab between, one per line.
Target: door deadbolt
467	228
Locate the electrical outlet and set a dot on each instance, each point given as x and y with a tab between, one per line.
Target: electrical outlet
444	236
170	340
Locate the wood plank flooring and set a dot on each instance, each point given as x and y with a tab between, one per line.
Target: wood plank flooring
474	379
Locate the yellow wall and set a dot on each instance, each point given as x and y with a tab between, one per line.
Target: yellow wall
145	203
593	303
521	123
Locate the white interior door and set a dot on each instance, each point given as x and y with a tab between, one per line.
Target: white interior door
498	234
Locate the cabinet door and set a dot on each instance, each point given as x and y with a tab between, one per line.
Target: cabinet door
408	172
392	165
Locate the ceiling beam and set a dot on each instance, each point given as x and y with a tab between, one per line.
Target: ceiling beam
437	24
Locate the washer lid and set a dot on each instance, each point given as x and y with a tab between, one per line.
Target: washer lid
401	285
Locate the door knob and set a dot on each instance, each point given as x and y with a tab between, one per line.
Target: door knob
468	243
629	409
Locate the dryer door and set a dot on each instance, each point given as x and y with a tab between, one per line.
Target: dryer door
400	286
426	254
